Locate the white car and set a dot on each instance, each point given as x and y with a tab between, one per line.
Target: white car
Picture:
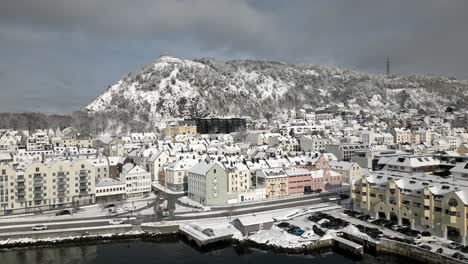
165	212
112	214
116	222
39	227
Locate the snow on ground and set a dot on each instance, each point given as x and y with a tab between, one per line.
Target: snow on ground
28	240
190	202
163	189
278	237
90	211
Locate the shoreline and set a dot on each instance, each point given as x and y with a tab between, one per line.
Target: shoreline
324	246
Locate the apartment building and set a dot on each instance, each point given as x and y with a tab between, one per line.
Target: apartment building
208	184
46	185
299	181
418	199
180	128
137	180
344	151
176	174
38	141
349	170
401	135
275	181
238	178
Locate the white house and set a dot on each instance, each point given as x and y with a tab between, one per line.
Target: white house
137	180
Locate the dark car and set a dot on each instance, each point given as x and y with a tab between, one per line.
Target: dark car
426	247
458	255
283	225
63	212
426	234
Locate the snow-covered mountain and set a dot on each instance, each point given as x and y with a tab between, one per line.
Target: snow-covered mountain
173	87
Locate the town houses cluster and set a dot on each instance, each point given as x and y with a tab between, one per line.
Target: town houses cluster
405	166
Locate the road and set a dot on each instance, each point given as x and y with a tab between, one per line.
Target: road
226	211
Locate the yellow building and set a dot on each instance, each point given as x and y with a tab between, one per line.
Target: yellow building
426	203
275	181
180	128
41	186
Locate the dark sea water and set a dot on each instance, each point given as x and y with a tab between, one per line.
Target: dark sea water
136	252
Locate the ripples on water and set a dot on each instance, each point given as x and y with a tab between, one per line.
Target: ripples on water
136	252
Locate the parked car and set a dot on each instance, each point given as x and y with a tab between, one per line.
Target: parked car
371	219
440	250
458	255
298	232
426	247
39	227
116	222
283	225
455	245
161	197
208	232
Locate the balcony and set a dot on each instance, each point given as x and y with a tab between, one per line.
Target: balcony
37	184
20	193
83	179
37	191
61	188
37	197
61	194
19	179
20	200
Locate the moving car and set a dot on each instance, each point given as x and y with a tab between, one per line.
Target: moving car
112	213
116	222
39	227
63	212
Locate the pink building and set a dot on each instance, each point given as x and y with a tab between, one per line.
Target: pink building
299	181
324	179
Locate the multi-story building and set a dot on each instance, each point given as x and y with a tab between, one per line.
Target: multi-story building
401	135
238	178
176	174
180	128
299	181
137	180
208	184
219	125
349	170
412	195
344	151
108	189
47	185
38	141
275	181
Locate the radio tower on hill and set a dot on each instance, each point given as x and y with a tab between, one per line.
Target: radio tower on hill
388	66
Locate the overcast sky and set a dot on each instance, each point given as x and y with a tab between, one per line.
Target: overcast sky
58	55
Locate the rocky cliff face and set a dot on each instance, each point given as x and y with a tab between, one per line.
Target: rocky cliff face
174	87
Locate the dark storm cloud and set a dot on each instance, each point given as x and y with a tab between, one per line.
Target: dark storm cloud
72	49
